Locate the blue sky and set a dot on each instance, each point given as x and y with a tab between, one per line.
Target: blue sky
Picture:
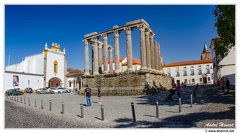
181	30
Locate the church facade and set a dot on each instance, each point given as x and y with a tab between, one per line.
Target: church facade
46	69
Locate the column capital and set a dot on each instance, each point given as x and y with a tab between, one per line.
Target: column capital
105	36
85	42
142	27
100	45
151	35
116	33
147	32
128	30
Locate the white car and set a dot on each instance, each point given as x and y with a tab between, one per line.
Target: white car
65	90
55	90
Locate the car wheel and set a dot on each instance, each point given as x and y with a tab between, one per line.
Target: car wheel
59	91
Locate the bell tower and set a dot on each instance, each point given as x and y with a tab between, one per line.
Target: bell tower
205	54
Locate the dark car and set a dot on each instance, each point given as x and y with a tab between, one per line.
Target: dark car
15	91
28	90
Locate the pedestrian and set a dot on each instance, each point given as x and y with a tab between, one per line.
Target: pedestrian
182	84
87	94
99	95
227	84
75	91
178	89
222	84
185	85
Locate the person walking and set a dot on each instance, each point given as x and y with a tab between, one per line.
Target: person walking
178	89
228	84
99	95
222	84
87	94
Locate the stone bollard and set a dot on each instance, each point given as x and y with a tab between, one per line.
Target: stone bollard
157	109
29	101
35	103
21	99
50	105
17	99
24	100
102	112
41	103
179	99
191	98
81	108
133	112
62	108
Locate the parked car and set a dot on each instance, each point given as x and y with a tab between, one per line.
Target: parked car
15	91
55	90
43	91
65	90
28	90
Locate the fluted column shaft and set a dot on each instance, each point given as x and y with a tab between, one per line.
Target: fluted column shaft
116	51
156	55
152	51
86	57
105	49
129	48
111	62
148	49
143	47
95	50
159	58
99	56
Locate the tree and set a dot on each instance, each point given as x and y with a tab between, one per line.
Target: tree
225	24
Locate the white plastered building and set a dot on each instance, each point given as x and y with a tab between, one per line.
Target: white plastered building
46	69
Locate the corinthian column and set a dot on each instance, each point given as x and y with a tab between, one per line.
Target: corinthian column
129	48
148	49
156	54
105	49
86	57
152	51
116	51
100	58
110	58
95	50
143	47
159	57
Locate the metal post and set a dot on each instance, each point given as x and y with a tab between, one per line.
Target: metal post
41	103
62	107
28	101
157	110
35	103
24	100
102	112
21	99
133	111
17	99
191	100
82	113
179	104
50	105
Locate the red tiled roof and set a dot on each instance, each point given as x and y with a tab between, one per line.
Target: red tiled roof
114	60
192	62
134	62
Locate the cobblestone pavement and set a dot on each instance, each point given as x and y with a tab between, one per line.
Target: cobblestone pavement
211	109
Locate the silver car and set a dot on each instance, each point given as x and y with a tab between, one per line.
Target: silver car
65	90
56	90
43	91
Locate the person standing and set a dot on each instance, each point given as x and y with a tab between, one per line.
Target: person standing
228	84
87	94
178	89
222	84
99	95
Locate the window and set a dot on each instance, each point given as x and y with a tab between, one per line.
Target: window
199	70
209	78
192	71
55	64
169	74
177	72
207	69
184	71
70	83
193	80
200	79
177	75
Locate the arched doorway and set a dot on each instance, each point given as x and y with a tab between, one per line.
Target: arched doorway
55	82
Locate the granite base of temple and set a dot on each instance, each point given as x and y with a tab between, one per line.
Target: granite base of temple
125	83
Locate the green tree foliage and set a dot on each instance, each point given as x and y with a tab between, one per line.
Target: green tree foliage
225	23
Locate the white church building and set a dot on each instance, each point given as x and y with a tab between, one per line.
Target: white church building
46	69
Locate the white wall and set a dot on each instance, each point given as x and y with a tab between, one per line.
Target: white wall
35	81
